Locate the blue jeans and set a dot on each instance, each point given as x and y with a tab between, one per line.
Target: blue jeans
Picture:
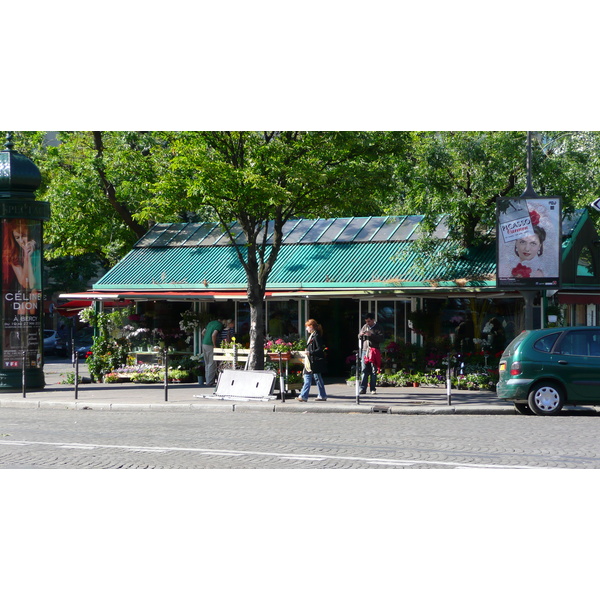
368	373
308	377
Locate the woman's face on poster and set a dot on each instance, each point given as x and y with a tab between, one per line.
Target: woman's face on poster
527	247
22	239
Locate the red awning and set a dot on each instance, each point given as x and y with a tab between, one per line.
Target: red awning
74	306
583	298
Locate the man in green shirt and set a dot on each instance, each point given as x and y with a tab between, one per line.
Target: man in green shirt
209	342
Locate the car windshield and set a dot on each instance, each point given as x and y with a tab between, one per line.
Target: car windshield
512	347
48	333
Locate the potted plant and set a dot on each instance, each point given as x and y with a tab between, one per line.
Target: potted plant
554	315
275	348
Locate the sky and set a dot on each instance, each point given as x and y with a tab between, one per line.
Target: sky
314	65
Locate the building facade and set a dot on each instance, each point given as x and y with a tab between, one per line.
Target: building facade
337	270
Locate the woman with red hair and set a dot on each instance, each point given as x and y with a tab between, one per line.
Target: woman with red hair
314	364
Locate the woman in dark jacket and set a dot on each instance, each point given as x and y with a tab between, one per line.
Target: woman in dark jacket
314	365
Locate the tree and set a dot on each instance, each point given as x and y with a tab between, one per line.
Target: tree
98	183
262	179
463	173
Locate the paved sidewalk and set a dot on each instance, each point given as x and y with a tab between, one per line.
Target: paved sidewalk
341	398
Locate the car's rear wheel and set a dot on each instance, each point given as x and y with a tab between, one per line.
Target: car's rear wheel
523	409
546	399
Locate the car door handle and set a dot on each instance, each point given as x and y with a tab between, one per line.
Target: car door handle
563	362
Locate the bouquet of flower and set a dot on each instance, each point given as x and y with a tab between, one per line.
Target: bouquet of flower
190	320
137	336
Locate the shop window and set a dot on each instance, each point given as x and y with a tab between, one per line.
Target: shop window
242	322
386	318
282	318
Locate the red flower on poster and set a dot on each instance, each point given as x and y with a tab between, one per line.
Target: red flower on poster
535	217
521	271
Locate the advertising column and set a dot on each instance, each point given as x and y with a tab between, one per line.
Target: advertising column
22	293
21	228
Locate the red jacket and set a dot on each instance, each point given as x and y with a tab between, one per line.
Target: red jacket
374	356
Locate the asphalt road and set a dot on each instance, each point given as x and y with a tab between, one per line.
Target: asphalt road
101	440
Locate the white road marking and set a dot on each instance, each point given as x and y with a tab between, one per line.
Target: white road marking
222	453
312	457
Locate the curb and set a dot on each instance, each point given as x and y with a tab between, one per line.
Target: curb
321	408
264	407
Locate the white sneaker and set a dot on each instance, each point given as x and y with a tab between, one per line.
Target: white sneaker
373	392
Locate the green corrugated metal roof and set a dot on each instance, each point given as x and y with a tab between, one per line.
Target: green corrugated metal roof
298	266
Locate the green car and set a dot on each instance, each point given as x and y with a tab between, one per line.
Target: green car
544	369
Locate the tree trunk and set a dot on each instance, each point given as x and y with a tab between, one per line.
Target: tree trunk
256	295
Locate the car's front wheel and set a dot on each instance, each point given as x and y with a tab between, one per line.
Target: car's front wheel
546	399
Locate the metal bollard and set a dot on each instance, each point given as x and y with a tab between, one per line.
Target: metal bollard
24	373
358	372
449	383
76	389
166	363
281	379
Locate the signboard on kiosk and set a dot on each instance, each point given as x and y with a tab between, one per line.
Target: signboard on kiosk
528	243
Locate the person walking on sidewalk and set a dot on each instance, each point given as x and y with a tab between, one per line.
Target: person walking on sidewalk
209	342
314	363
370	335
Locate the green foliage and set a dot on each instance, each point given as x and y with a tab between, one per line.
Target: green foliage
108	352
70	273
97	184
463	173
69	379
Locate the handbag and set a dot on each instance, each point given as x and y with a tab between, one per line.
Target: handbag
306	362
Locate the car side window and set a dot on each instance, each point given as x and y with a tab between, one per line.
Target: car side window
580	343
545	344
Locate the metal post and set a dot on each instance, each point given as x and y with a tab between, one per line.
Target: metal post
166	363
24	374
358	372
281	378
234	356
72	344
76	359
529	296
449	380
529	191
